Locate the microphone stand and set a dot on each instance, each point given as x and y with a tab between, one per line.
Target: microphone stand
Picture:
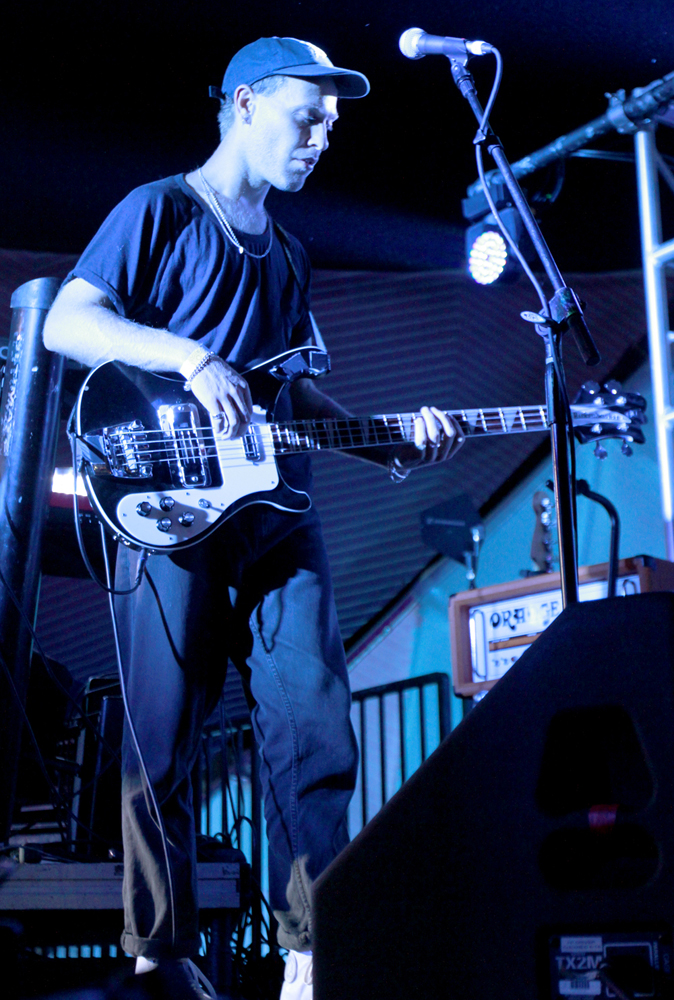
564	313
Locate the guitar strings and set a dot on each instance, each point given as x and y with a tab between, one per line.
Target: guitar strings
311	435
473	420
297	439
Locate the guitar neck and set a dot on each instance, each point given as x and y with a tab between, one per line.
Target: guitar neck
343	433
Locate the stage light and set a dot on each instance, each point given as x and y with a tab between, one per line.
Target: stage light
488	255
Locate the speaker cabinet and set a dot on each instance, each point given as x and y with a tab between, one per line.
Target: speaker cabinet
532	856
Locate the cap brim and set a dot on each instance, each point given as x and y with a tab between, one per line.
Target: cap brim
349	82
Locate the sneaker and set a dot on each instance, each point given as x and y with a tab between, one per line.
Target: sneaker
298	977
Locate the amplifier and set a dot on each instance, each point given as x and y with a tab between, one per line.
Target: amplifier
490	627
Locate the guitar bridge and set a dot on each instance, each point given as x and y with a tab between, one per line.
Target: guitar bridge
188	458
124	446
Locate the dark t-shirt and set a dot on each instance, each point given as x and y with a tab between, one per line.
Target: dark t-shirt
164	261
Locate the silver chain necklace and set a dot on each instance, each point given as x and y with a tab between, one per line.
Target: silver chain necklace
214	202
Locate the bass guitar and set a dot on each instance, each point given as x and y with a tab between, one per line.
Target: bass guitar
159	478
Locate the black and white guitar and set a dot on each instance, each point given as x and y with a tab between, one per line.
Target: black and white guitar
159	479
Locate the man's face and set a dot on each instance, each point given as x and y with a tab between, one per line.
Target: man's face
289	131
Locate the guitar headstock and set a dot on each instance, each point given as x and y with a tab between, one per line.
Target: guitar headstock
606	412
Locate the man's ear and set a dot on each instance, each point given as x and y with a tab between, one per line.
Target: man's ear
244	102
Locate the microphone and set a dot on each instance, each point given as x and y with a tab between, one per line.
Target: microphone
415	43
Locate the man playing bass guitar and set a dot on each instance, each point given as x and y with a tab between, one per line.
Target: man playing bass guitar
190	275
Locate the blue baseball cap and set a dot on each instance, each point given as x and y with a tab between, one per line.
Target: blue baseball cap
287	57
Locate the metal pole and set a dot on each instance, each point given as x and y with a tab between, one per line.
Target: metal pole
621	116
561	443
564	310
655	254
31	406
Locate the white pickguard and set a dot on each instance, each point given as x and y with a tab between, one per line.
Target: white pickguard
240	476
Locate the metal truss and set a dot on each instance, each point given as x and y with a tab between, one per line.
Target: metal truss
656	255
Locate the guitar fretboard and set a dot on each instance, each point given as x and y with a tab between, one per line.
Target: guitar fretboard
394	428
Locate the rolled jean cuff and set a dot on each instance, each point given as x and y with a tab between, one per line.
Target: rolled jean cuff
152	948
294	924
292	939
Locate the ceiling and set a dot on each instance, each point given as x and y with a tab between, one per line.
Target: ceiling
100	96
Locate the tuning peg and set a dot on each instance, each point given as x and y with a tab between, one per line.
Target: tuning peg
589	392
626	450
600	451
591	387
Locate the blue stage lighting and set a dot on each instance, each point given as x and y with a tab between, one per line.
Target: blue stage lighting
488	255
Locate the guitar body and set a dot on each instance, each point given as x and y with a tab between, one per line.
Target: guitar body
152	469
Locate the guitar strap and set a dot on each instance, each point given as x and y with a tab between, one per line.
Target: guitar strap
284	240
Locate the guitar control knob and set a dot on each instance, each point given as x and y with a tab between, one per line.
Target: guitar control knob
167	503
204	503
164	524
144	508
186	519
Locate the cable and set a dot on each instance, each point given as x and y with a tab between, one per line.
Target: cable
498	76
549	197
239	819
561	382
506	234
481	137
236	827
583	487
226	721
157	819
74	439
569	439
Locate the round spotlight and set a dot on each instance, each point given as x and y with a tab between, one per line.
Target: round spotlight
487	257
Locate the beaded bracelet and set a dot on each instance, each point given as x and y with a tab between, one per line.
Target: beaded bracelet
195	363
396	471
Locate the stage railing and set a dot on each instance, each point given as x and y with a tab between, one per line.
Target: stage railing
398	726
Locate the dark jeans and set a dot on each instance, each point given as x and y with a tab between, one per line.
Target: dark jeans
257	592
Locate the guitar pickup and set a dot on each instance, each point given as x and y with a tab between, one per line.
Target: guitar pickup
187	455
251	447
